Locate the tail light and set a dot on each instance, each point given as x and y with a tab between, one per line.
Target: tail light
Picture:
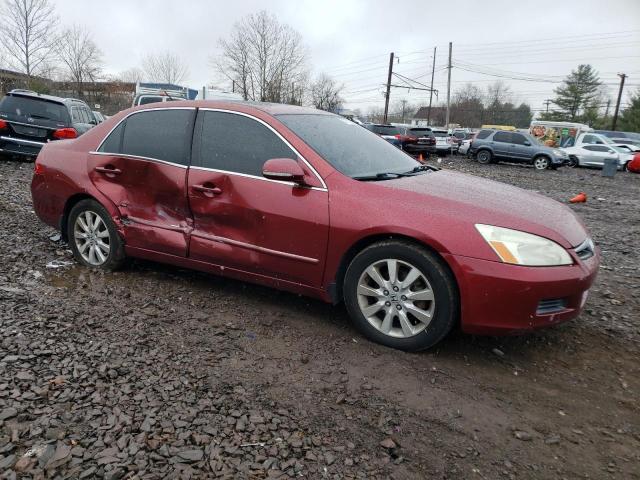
65	133
3	124
38	169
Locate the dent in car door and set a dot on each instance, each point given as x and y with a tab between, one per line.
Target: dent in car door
245	221
141	167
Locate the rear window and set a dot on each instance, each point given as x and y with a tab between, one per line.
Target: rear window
34	108
149	99
420	132
382	130
482	134
440	133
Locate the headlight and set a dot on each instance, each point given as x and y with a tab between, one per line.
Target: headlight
520	248
560	153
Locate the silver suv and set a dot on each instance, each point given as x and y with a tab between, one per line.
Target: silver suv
490	146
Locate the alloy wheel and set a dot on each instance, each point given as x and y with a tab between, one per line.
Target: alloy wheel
541	163
92	238
396	298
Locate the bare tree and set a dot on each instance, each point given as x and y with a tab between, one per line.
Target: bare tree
265	59
165	67
80	55
325	93
28	34
131	75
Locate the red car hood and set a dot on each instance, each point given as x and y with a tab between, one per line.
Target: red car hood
478	200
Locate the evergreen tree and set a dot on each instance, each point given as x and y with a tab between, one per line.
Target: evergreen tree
577	95
630	119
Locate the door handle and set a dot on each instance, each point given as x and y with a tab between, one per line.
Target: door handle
109	170
210	190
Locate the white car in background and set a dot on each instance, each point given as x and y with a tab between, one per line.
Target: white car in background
595	155
463	149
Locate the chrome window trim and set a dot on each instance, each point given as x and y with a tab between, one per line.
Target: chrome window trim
256	177
138	157
129	115
320	189
286	142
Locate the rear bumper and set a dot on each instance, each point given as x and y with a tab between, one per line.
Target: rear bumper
502	299
418	148
20	146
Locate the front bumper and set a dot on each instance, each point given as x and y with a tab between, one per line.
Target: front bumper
502	299
20	146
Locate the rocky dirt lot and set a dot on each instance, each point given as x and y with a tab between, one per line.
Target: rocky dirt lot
157	372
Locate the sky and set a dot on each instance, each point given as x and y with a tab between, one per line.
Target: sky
536	42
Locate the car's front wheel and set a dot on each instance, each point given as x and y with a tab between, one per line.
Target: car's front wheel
401	295
93	237
573	162
541	163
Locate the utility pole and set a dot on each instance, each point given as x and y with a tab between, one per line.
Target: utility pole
386	98
404	106
433	71
449	87
547	102
606	112
615	114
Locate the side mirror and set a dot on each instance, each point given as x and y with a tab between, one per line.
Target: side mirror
527	143
284	169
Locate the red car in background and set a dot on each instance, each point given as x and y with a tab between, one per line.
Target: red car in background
306	201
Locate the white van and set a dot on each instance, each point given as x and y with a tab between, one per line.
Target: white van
557	134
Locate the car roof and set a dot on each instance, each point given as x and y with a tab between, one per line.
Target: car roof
31	94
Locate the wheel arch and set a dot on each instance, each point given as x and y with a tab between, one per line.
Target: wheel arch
336	286
78	197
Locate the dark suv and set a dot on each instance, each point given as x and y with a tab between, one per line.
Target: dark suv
489	146
28	120
418	140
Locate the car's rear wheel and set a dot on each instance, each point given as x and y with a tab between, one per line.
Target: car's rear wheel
93	237
401	295
484	157
541	163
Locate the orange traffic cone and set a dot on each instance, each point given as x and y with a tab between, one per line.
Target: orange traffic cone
420	158
580	198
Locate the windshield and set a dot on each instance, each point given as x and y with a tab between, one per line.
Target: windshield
35	108
384	130
348	147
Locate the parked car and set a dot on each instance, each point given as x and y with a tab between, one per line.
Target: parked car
464	147
390	133
28	120
444	142
306	201
617	134
596	155
633	144
494	145
418	140
634	165
98	116
149	93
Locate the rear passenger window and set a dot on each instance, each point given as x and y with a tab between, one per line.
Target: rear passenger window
159	135
504	137
235	143
482	134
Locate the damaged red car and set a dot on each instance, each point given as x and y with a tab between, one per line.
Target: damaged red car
306	201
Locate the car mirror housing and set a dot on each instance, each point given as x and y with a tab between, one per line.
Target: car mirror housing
527	143
284	169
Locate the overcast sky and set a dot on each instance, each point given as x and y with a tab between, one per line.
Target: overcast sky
351	39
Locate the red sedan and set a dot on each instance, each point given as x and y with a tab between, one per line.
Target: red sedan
306	201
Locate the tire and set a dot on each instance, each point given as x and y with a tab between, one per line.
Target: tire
541	162
484	157
625	168
83	237
394	320
573	162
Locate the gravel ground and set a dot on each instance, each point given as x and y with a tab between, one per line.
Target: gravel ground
159	372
